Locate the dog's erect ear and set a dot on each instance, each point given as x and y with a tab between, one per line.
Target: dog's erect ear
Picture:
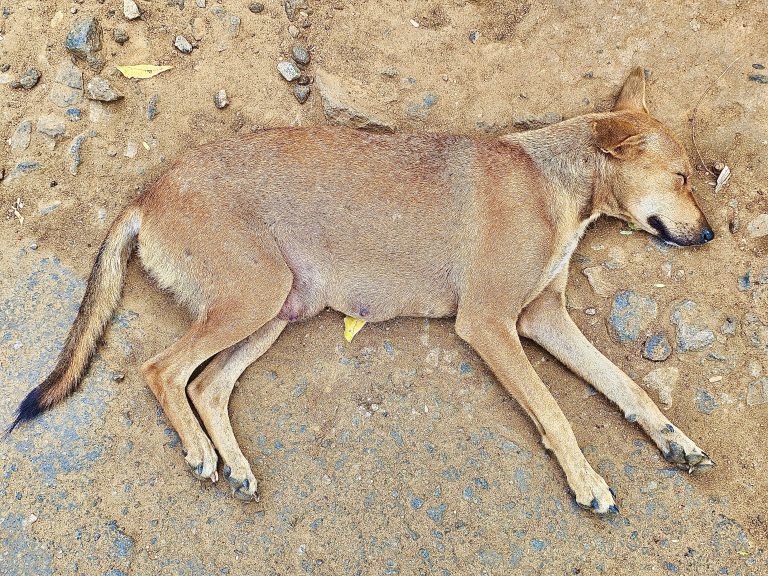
617	137
632	95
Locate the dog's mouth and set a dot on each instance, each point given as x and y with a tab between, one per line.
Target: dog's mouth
666	235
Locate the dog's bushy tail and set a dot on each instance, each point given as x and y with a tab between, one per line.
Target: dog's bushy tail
102	293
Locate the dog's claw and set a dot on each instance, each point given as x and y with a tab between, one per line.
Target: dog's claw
613	509
612	491
227	470
595	504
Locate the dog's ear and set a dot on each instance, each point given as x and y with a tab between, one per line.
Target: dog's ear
617	137
632	95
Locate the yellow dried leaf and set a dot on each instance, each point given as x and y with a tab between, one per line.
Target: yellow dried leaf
351	327
142	70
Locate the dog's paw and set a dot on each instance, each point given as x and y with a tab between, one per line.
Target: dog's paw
202	459
681	451
242	481
592	493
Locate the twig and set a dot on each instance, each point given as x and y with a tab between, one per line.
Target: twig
696	109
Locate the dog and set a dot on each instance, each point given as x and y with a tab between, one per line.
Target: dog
250	234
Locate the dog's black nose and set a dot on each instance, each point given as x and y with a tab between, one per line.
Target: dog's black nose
707	235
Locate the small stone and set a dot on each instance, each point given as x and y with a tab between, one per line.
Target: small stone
293	31
758	227
657	348
288	70
693	332
256	7
234	25
95	62
343	104
118	376
220	99
631	314
67	89
292	7
50	125
25	167
28	80
590	311
131	149
21	136
663	381
74	152
705	402
474	36
390	72
130	10
84	38
301	93
73	114
120	35
759	78
300	55
596	275
100	89
304	80
46	209
182	45
152	107
200	3
729	327
5	67
757	393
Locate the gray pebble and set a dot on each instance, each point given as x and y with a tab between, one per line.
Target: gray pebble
182	45
301	93
25	167
631	314
293	31
657	348
152	107
5	67
692	330
74	152
200	3
21	136
300	55
100	89
48	208
304	80
28	80
130	10
220	99
84	38
256	7
288	70
474	36
52	126
120	35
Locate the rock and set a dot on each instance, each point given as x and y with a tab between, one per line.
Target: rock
200	3
220	99
45	209
288	70
300	55
529	121
256	7
596	276
758	227
292	7
301	92
51	126
756	331
617	259
67	89
631	314
95	62
28	80
131	149
293	31
73	114
25	167
120	35
182	45
757	393
705	402
759	78
234	25
663	381
692	326
84	38
657	348
342	104
474	36
130	10
152	107
74	152
100	89
21	136
729	327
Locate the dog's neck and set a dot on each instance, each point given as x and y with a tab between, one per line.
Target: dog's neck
574	168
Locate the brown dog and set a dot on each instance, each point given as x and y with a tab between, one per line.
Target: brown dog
250	236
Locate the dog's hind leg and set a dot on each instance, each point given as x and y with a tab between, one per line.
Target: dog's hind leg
547	322
210	393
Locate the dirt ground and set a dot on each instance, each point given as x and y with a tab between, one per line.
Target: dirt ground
397	453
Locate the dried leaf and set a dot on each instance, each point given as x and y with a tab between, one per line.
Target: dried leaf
351	327
142	70
722	179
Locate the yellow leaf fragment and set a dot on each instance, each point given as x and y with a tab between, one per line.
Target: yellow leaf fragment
146	146
142	70
351	327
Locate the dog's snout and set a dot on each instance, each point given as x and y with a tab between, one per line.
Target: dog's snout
707	235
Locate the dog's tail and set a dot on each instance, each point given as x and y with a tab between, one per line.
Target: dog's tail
102	293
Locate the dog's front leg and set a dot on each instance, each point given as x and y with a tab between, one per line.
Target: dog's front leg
547	322
497	343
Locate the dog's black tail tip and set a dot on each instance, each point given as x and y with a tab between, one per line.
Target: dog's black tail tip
29	409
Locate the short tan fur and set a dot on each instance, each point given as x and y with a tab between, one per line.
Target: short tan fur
252	233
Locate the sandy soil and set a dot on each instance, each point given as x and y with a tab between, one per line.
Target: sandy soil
447	475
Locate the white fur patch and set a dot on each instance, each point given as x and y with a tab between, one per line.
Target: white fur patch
558	264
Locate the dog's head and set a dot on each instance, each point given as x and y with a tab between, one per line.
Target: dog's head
648	171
